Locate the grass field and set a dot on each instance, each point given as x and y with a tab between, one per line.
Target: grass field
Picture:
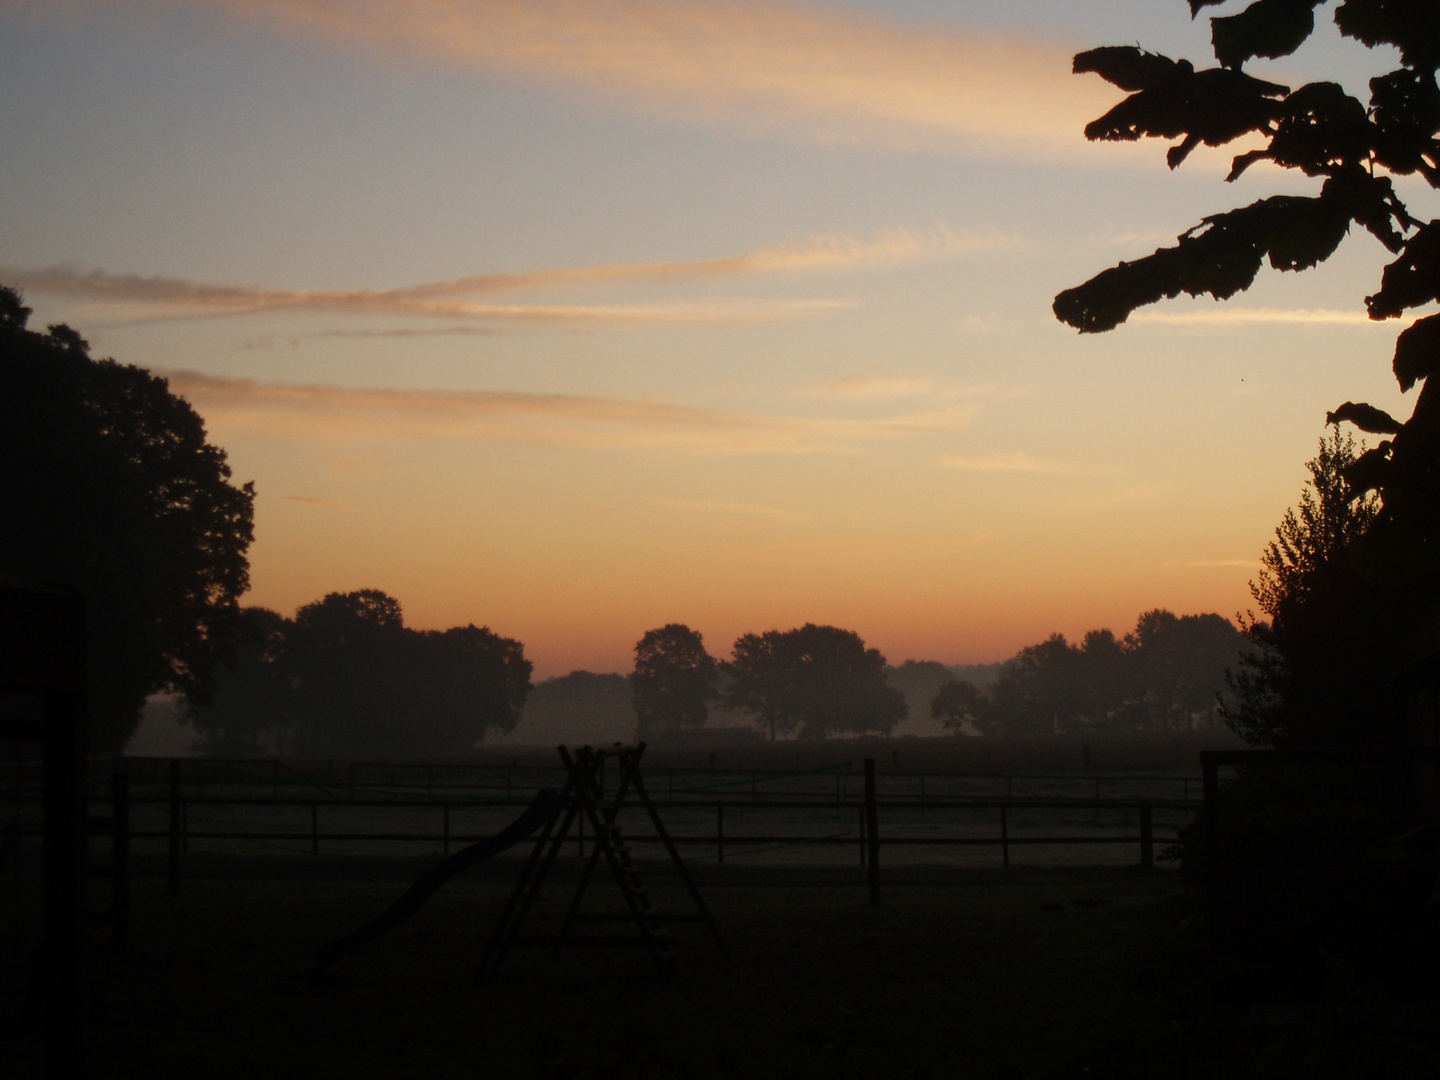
982	973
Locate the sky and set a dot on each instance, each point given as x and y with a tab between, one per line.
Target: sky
573	319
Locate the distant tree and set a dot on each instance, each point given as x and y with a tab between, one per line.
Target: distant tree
955	705
1107	682
581	707
1037	693
252	708
465	682
1178	665
347	678
918	680
107	484
1321	656
979	675
673	682
819	679
1163	675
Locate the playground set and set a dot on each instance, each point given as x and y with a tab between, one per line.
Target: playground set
554	815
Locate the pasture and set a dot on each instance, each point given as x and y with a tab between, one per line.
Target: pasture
1073	961
977	973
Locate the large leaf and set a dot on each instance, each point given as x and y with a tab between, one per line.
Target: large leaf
1371	470
1417	351
1412	279
1219	257
1267	28
1365	417
1370	201
1212	106
1126	66
1320	129
1405	110
1412	26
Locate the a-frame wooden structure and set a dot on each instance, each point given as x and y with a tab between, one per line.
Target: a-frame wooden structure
583	799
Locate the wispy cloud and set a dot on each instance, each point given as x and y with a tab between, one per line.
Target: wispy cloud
410	332
1205	564
312	412
310	501
826	75
705	506
126	299
993	323
868	388
1002	463
1225	317
133	297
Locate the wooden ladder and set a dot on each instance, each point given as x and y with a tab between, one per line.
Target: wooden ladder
583	799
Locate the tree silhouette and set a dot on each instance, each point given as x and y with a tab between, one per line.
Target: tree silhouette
1353	150
108	485
954	705
673	682
819	679
1325	644
919	680
346	677
252	707
1162	676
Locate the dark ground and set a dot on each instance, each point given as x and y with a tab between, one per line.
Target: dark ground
1018	973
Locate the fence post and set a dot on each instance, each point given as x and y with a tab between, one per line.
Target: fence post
1005	834
173	848
1147	836
862	834
719	830
872	839
120	843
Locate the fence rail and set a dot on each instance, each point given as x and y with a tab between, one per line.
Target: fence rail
868	838
188	800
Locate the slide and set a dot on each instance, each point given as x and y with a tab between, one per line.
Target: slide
541	810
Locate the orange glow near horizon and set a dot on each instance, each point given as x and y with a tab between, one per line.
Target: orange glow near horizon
578	318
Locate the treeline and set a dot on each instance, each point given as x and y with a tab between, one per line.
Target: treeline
346	678
1162	676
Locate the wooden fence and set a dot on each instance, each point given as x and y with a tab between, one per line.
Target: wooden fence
868	812
437	788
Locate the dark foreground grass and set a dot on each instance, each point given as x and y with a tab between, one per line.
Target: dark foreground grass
1019	973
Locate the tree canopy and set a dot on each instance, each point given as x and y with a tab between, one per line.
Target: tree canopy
347	678
673	682
819	680
955	704
1326	643
580	707
1353	150
1162	676
108	485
